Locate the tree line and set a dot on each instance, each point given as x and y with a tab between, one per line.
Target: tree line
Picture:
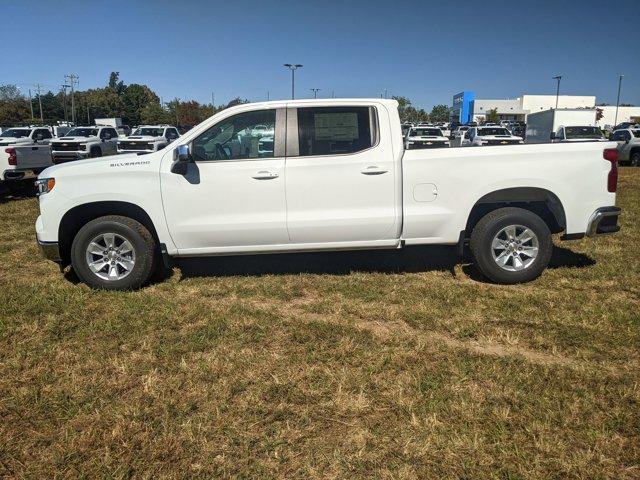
135	104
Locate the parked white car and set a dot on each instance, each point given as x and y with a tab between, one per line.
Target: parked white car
483	136
628	145
460	131
336	178
425	137
578	133
25	136
148	138
85	142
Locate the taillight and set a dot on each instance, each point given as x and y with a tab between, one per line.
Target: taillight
13	159
611	154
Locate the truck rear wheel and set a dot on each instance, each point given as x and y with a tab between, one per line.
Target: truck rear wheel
511	245
113	253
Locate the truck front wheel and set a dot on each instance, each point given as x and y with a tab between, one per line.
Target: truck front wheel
114	253
634	159
511	245
95	152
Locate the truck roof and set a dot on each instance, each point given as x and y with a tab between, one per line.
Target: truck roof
322	101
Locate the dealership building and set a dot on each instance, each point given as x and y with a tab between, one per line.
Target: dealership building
466	107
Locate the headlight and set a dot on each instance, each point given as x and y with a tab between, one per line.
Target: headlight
45	185
82	146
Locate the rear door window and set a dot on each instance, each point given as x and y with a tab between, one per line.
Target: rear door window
335	130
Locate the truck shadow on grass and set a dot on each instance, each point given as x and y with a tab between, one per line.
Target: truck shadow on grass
408	260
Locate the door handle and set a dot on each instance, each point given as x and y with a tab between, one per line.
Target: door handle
265	175
373	170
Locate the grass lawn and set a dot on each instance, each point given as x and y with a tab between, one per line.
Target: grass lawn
344	365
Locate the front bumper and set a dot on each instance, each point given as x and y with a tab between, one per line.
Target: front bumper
62	156
50	250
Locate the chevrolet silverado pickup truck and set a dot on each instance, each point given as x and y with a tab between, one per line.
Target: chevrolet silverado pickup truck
425	137
25	136
335	177
23	161
481	136
147	139
85	142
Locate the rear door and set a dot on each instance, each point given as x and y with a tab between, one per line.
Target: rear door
340	177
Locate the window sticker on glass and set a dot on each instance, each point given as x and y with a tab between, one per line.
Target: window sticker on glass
336	126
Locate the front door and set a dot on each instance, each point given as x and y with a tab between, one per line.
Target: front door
232	196
341	180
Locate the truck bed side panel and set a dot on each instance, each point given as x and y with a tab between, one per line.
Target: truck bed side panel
440	187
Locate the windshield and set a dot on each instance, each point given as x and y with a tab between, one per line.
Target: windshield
493	131
82	132
425	132
583	132
149	132
15	133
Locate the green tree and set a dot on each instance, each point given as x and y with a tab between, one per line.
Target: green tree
153	114
492	116
134	99
115	82
14	108
440	113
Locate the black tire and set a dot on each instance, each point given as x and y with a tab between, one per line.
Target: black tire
144	248
634	159
491	225
95	152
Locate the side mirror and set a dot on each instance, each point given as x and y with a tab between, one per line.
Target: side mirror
39	137
552	136
182	160
107	136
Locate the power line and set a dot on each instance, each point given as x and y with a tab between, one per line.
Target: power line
72	80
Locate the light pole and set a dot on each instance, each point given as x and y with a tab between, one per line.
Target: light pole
315	92
293	67
558	78
615	121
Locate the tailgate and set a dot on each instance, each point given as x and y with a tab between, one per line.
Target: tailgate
33	156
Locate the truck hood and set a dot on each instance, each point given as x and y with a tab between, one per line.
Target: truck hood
77	139
427	138
113	165
143	138
498	137
14	141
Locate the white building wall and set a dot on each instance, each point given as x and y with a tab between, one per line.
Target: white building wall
625	114
537	103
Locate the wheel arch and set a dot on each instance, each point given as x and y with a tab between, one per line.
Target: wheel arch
75	218
540	201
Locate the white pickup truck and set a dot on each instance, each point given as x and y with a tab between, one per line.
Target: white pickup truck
85	142
147	139
23	161
336	178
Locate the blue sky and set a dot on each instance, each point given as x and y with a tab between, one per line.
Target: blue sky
424	50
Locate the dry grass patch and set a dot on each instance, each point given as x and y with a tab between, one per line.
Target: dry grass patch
360	364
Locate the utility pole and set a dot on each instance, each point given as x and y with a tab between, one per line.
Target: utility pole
268	96
37	85
88	119
73	80
558	78
293	67
64	99
213	100
30	103
385	93
315	92
333	94
615	122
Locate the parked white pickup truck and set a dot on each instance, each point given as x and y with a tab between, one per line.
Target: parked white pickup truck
25	136
22	162
337	177
85	142
147	139
482	136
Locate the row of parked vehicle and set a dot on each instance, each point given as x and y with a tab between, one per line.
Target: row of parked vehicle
29	150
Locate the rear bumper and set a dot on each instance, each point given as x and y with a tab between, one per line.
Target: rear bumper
50	250
603	221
